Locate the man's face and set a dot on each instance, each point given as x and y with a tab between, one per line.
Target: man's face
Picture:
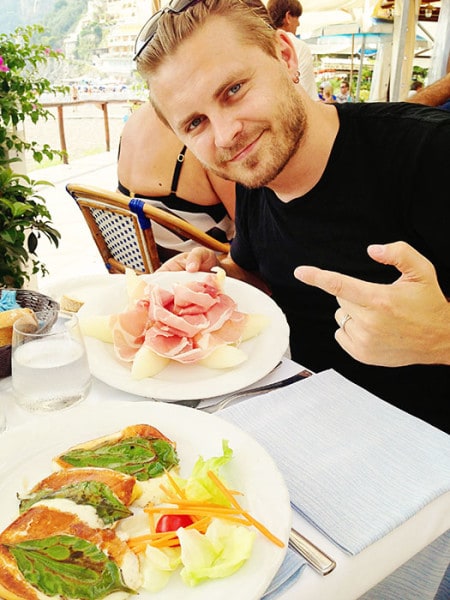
233	105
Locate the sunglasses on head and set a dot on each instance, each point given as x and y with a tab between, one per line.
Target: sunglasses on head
148	31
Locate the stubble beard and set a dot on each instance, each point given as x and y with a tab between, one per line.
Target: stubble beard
281	142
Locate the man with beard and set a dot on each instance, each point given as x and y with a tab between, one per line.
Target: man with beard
225	81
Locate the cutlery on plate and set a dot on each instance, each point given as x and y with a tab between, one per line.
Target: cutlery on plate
303	374
195	403
315	557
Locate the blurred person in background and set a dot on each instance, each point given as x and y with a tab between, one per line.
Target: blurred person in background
326	93
416	86
285	14
344	92
74	92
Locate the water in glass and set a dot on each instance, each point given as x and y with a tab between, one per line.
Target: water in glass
50	370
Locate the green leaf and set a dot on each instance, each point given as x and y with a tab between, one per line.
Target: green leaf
68	566
93	493
32	243
141	457
18	209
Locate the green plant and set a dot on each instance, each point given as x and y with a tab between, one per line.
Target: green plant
23	213
23	217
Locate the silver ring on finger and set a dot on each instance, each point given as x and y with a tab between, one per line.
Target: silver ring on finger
346	318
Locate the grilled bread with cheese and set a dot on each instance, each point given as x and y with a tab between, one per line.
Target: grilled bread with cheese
47	553
108	492
124	486
138	450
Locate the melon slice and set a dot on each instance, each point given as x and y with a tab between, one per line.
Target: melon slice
97	326
224	357
147	363
254	324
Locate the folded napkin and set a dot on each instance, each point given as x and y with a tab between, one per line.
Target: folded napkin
356	467
286	576
8	300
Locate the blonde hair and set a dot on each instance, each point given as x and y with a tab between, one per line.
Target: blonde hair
249	16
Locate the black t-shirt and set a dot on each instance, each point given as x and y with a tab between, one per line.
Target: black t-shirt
387	179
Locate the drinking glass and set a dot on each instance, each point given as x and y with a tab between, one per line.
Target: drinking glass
50	369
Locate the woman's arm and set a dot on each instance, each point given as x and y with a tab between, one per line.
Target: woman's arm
225	190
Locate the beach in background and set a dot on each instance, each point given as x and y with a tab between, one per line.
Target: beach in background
89	163
84	131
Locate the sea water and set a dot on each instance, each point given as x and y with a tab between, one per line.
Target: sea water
50	374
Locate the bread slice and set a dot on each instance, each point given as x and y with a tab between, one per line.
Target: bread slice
9	317
69	304
41	531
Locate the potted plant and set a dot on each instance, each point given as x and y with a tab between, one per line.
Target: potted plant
24	216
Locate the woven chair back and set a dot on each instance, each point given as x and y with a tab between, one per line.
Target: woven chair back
122	228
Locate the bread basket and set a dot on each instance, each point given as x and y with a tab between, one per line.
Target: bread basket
38	303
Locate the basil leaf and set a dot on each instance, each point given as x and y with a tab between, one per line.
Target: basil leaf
142	457
94	493
68	566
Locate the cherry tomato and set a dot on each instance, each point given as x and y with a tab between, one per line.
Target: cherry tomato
172	522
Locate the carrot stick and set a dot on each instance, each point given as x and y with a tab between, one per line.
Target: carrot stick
199	503
244	513
150	538
170	495
175	486
198	509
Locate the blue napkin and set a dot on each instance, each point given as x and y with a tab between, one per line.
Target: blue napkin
8	300
356	467
286	576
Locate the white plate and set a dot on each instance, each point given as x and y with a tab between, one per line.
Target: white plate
177	381
26	454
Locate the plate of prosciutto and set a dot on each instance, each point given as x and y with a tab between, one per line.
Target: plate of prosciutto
177	336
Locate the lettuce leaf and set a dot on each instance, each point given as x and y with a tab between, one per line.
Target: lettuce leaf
198	486
220	552
157	566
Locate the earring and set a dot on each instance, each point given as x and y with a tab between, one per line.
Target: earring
297	77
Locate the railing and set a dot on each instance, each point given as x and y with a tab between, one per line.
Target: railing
100	103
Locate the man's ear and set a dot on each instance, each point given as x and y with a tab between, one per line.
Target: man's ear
287	51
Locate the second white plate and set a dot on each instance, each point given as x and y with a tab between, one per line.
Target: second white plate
28	452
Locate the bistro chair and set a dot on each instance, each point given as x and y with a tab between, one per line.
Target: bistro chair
122	228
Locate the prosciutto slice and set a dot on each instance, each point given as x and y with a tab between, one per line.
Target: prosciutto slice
129	330
185	324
